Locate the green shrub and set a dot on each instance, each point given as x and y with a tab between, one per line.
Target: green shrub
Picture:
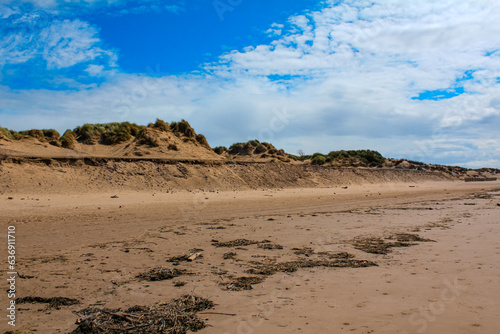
108	134
254	142
34	133
148	136
183	127
133	128
116	134
11	134
338	155
272	150
368	157
51	134
371	158
89	133
244	148
319	159
202	140
161	125
236	146
260	149
220	149
68	139
317	155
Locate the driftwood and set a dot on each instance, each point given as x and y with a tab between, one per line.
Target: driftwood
194	256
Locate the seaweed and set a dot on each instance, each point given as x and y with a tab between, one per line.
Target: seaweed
175	317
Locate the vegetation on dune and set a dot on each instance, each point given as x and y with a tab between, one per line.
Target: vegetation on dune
202	140
107	134
35	133
51	133
183	128
116	133
318	159
243	148
148	136
117	136
253	147
88	133
366	157
68	139
46	135
10	134
52	136
160	125
369	157
260	149
220	149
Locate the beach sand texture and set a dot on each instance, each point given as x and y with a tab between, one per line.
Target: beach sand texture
324	260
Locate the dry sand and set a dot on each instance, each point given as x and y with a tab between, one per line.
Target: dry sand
91	247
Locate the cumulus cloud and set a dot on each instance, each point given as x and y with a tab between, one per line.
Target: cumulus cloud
275	30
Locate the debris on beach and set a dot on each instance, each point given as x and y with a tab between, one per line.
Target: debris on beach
178	284
270	246
375	245
194	256
229	255
270	268
340	255
407	237
238	243
185	258
53	302
242	283
160	274
307	251
175	317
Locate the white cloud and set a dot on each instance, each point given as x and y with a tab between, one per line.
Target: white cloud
347	75
95	70
60	43
112	7
492	163
275	29
67	43
6	11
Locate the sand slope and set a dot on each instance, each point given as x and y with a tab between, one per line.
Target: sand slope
83	175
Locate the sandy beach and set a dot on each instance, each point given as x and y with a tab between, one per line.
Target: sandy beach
93	248
249	167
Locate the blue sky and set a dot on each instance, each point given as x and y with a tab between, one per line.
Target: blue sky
413	79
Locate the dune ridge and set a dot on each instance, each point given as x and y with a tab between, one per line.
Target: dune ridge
172	156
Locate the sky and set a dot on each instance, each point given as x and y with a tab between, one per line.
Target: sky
411	79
